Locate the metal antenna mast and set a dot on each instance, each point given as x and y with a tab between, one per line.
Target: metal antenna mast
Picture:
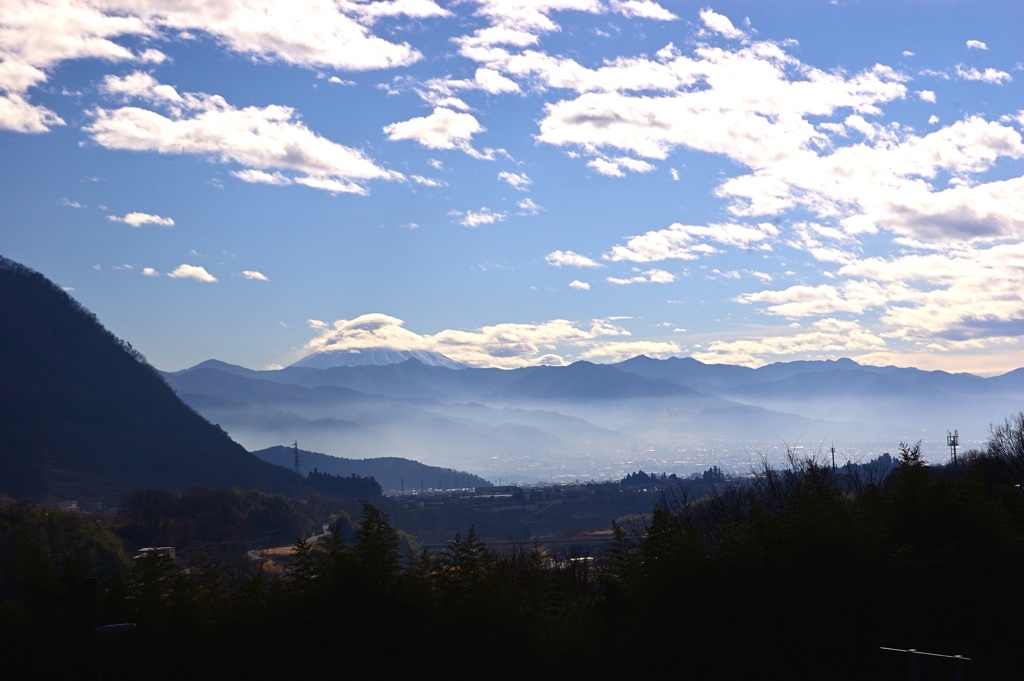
953	441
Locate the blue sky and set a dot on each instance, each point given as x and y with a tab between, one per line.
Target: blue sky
517	183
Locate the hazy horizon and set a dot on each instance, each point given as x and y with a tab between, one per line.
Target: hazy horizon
597	423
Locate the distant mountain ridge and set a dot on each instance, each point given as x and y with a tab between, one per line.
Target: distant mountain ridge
544	421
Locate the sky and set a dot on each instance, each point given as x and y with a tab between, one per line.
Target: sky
524	182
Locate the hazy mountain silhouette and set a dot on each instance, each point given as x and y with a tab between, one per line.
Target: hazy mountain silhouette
393	473
888	401
526	423
584	418
444	417
84	416
585	381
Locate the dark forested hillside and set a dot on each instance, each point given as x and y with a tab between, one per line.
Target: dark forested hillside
808	572
84	416
393	473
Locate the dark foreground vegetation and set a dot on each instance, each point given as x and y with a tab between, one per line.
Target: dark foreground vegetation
809	572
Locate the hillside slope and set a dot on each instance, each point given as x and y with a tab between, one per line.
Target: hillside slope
84	416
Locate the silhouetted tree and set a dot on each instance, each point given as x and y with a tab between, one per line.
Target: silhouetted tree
1006	446
150	513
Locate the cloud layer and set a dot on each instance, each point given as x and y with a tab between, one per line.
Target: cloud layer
875	210
554	342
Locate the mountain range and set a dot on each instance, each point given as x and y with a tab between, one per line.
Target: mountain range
599	420
84	415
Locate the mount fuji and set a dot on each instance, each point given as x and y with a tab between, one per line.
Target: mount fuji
374	357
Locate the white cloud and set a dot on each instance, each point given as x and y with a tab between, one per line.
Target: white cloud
518	181
570	259
949	294
196	272
414	9
490	80
266	140
803	301
885	184
518	23
579	285
484	216
750	105
926	96
618	351
30	47
444	92
719	23
935	294
690	242
643	9
825	339
142	85
442	129
860	124
307	33
606	167
505	345
138	219
254	275
653	276
428	181
976	45
528	207
989	75
150	272
18	115
614	167
254	176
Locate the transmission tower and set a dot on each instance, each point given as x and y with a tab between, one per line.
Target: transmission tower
953	441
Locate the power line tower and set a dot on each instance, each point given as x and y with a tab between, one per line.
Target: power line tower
953	441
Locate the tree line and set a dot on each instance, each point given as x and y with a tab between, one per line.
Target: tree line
806	571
